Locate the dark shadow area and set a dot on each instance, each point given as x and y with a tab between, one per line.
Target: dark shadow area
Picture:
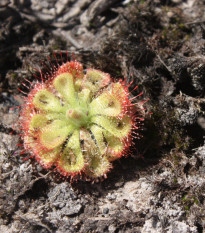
39	189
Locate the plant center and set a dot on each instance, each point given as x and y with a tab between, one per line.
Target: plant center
78	116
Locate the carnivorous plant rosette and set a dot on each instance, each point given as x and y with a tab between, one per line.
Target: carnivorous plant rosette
79	122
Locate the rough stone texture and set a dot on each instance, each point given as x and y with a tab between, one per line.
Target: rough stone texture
160	46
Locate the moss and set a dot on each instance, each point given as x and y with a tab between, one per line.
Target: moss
176	31
58	44
92	25
179	140
175	180
176	158
188	200
166	134
186	207
142	1
14	75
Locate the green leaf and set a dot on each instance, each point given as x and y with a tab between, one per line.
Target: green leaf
109	145
95	80
105	104
97	163
72	160
118	128
64	85
89	146
47	159
98	134
55	134
114	146
38	121
84	96
98	166
46	101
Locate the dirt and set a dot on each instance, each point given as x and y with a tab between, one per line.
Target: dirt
160	46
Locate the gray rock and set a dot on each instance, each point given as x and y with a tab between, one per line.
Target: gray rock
65	201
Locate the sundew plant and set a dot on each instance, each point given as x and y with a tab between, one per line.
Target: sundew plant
79	121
